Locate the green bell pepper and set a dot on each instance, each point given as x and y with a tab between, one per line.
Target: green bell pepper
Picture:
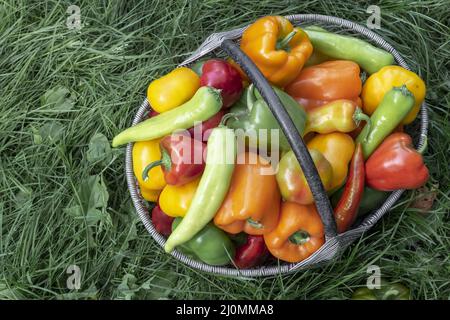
252	113
211	245
387	291
371	200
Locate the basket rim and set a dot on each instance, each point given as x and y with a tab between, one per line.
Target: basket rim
332	246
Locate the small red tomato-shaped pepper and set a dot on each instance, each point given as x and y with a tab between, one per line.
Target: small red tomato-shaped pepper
221	75
161	221
252	253
347	208
396	165
203	130
182	159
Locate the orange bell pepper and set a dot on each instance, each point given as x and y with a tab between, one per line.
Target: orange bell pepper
298	235
253	201
320	84
277	48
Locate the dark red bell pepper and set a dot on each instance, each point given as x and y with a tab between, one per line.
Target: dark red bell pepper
347	208
203	130
252	253
161	221
219	74
182	159
396	165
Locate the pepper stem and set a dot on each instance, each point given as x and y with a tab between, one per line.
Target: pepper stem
299	237
283	43
424	146
254	224
226	117
165	161
359	116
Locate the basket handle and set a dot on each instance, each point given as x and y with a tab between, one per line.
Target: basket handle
290	131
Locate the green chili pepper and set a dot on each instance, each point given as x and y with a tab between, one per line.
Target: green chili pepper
387	291
394	107
337	46
212	188
371	200
210	245
203	105
252	113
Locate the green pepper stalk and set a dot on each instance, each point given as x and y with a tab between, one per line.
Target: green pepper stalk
203	105
394	107
212	188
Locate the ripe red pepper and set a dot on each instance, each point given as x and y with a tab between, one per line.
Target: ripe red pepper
161	221
219	74
252	253
203	130
182	159
396	165
347	208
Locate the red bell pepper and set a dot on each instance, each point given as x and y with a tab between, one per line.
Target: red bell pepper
202	131
396	165
182	159
347	208
161	221
221	75
252	253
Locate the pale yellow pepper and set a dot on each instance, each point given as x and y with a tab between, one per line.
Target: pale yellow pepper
175	200
172	89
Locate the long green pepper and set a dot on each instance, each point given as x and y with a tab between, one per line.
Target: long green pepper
394	107
212	188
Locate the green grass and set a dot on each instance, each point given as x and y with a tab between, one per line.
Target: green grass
63	197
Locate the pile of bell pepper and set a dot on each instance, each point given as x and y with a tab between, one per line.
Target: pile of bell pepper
246	213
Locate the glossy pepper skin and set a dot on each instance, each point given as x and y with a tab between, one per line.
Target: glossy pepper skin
396	165
161	221
252	253
339	115
371	200
205	103
202	130
172	89
292	181
221	75
387	291
346	210
337	148
210	245
143	153
320	84
181	159
396	104
175	200
150	195
298	235
277	48
337	46
212	188
251	113
379	83
252	203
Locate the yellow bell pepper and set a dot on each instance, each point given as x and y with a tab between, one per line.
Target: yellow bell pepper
145	152
150	195
173	89
277	48
175	200
337	148
379	83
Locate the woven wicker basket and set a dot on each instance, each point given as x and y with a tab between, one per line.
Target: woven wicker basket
218	43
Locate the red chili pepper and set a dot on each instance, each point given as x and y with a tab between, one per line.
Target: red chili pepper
347	208
181	159
221	75
252	253
161	221
203	130
396	165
